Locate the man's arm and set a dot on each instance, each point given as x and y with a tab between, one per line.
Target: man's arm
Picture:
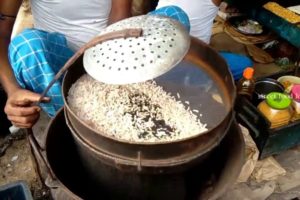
19	106
8	10
120	9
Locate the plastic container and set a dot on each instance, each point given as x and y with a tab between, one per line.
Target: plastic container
246	84
277	109
288	82
295	94
15	191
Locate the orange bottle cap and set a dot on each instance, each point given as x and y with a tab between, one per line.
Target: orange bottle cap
248	73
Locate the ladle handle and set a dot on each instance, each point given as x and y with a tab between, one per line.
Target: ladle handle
99	39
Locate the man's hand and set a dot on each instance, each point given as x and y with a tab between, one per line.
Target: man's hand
20	109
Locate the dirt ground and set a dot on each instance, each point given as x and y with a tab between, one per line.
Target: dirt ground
17	164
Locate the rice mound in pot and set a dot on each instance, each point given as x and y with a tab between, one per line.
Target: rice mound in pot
141	112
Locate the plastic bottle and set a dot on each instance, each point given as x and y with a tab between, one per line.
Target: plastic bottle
246	84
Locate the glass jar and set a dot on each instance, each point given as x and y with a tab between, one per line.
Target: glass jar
277	109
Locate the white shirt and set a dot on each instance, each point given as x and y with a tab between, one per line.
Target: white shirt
201	14
78	20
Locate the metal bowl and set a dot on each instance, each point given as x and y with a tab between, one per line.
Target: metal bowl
202	78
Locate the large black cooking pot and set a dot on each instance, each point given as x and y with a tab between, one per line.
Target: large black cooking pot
70	179
202	78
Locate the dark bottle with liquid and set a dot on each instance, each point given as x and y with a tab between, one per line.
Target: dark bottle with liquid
246	84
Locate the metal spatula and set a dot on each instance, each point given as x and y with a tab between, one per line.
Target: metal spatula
162	45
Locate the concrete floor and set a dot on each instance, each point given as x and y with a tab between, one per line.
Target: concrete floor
283	188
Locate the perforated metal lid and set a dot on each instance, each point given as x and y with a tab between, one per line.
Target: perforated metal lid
163	44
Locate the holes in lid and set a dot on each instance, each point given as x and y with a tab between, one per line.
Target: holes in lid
134	67
172	39
94	55
135	58
158	56
170	45
119	69
158	46
114	59
122	53
102	54
98	61
132	52
143	49
151	61
126	68
142	65
144	56
109	68
122	61
103	65
166	51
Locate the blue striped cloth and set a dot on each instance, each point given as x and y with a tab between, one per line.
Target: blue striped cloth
174	12
36	56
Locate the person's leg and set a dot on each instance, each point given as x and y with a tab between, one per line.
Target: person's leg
36	56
